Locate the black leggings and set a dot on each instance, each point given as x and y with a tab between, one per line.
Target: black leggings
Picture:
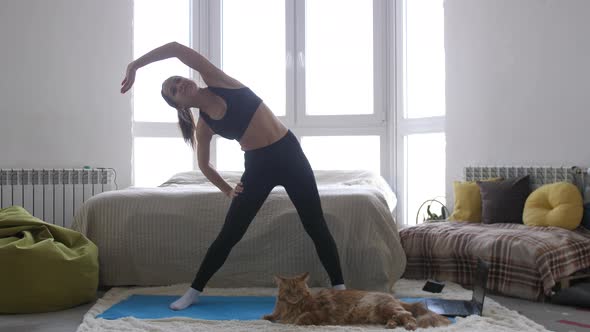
281	163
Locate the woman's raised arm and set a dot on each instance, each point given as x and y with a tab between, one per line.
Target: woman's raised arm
210	73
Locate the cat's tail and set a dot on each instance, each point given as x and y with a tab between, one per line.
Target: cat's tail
424	317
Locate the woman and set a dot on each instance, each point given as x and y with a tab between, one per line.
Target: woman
272	154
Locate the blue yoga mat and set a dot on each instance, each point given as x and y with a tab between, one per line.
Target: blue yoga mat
209	307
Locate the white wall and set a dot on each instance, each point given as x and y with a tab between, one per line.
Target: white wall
61	63
518	87
518	83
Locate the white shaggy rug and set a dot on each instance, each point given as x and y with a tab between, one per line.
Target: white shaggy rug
495	317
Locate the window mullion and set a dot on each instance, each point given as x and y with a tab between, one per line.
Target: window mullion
391	91
291	68
210	22
299	61
155	129
421	125
379	61
197	36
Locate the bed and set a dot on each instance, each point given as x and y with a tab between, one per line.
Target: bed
159	236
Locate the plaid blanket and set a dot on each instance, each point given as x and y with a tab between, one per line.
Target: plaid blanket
525	261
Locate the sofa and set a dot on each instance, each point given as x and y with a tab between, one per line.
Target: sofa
530	253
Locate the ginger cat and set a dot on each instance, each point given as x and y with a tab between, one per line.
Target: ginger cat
297	305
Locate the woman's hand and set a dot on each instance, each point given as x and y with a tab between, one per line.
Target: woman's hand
129	77
235	191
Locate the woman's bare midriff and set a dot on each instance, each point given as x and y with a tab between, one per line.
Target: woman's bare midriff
264	129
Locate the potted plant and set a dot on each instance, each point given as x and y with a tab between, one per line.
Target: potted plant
432	207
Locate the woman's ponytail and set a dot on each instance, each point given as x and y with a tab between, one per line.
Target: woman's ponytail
186	122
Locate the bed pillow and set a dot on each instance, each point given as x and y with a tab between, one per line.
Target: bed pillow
503	201
467	201
556	204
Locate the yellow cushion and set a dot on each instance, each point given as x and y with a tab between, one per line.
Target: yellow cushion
467	201
557	204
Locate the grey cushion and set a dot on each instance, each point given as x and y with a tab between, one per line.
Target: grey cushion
586	218
503	201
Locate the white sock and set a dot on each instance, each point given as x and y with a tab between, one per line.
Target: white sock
339	287
190	297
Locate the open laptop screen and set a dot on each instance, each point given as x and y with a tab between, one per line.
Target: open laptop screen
479	283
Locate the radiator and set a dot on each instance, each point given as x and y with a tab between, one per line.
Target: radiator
53	195
539	175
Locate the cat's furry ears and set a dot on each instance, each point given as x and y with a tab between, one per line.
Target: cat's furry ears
302	277
278	279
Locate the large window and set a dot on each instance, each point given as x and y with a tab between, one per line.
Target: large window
359	82
322	75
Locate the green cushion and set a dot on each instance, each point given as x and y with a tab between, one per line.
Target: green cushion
44	267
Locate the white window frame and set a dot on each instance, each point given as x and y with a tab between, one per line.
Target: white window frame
296	119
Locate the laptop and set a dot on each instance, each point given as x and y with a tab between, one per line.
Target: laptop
464	308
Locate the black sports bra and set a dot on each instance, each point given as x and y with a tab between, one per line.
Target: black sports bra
242	103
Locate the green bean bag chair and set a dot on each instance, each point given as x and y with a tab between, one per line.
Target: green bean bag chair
43	267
